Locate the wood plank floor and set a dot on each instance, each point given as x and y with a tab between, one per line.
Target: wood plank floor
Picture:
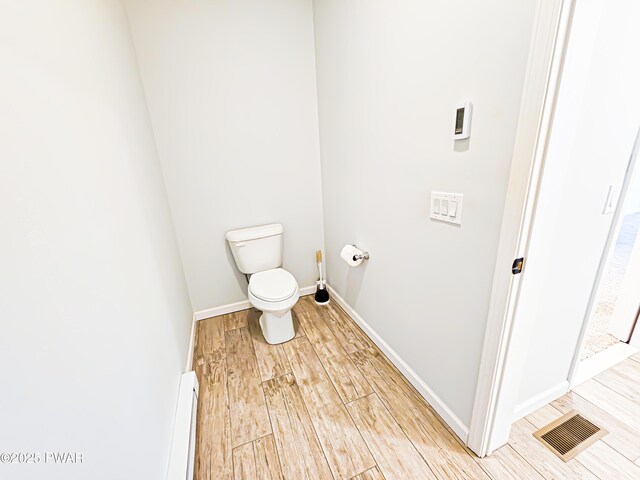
329	405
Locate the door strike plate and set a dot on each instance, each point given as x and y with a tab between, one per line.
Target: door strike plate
516	268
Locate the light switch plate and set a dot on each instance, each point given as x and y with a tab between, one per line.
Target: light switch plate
453	212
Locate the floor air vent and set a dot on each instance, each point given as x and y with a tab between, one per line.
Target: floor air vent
569	435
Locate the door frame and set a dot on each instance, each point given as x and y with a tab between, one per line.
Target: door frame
502	359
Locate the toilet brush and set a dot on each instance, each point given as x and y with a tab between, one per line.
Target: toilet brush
322	295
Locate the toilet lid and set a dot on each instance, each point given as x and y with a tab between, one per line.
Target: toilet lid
273	285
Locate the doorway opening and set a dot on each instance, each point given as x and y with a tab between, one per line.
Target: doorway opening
613	319
575	277
604	331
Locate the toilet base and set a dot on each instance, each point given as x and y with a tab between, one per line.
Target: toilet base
277	327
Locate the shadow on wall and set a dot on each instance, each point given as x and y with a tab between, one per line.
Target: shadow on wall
237	274
354	279
462	145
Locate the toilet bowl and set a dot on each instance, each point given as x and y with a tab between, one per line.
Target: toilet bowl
257	252
274	292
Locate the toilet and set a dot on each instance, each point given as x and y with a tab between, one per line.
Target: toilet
257	251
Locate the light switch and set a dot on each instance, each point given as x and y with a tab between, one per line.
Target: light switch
453	208
446	207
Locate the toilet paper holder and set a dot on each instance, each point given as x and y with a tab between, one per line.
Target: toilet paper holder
360	256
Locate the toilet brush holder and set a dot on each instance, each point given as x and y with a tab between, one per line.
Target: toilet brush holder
322	295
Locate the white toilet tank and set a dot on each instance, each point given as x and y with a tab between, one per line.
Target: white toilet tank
257	249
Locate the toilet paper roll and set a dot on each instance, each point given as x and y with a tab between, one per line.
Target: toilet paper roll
348	253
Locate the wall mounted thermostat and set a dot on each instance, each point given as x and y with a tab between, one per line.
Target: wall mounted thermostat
462	126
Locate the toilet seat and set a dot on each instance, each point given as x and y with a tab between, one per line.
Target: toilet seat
273	285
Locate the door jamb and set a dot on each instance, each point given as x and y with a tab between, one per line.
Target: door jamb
492	414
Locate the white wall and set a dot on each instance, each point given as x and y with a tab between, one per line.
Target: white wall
390	75
232	95
596	121
94	314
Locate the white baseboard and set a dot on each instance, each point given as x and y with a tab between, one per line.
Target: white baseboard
222	310
310	290
236	307
460	429
529	406
189	366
